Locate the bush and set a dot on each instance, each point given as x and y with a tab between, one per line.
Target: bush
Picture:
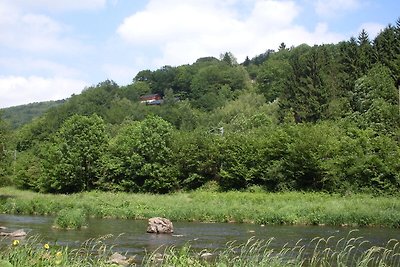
197	155
70	219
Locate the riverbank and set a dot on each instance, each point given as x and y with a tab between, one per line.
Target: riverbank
347	251
291	208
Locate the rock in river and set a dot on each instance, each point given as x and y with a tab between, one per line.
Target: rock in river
158	225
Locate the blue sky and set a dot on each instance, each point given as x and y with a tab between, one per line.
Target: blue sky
51	49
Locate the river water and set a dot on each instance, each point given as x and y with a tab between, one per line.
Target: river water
129	236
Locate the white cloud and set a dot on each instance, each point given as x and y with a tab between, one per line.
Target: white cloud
18	90
37	33
28	40
333	8
8	13
34	32
183	32
37	66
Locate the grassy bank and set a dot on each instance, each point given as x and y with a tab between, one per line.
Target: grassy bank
349	251
249	207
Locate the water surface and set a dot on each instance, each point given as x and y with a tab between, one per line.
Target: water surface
129	236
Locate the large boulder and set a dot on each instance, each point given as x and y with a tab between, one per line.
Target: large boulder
158	225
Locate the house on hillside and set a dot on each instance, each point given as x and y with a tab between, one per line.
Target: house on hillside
153	99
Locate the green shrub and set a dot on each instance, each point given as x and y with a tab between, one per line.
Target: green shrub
70	219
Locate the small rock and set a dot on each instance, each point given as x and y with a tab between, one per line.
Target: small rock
206	255
157	257
18	233
119	259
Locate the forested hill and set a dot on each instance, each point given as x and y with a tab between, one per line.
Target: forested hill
23	114
323	117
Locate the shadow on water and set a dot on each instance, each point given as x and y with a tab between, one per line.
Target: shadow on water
129	236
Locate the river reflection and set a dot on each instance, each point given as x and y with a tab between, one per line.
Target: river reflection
130	235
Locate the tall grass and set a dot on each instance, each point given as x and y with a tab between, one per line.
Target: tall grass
249	207
35	252
349	251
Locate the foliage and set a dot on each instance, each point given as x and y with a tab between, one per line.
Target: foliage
140	157
28	170
70	219
259	207
20	115
349	251
376	98
72	159
311	118
34	251
352	250
5	152
198	157
273	75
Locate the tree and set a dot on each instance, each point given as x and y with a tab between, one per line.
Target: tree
119	110
183	79
375	97
5	155
140	158
306	94
135	90
365	53
73	157
387	47
246	62
273	75
143	76
198	156
347	60
229	59
3	140
215	83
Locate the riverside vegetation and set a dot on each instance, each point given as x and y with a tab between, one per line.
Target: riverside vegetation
350	251
244	207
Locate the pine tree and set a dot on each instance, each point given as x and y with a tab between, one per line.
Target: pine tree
365	53
387	47
246	61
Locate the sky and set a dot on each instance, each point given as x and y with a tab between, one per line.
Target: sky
51	49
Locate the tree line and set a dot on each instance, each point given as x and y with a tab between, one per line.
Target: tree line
323	117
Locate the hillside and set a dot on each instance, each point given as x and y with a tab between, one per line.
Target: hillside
313	118
19	115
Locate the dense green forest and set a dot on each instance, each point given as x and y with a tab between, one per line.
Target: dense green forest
320	118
